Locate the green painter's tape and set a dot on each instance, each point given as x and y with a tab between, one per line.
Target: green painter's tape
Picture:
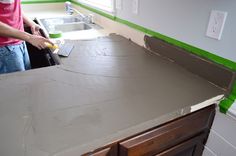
233	92
234	88
232	96
200	52
228	102
132	25
41	1
55	35
225	105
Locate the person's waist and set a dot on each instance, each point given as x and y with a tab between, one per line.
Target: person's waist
8	42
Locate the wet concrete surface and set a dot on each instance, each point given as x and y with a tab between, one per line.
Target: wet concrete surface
107	89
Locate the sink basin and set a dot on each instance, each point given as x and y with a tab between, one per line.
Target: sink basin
63	25
70	19
60	20
72	27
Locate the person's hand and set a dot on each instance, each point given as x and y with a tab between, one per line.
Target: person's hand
35	29
39	41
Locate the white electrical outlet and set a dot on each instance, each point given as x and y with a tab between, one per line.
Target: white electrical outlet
216	24
135	6
119	4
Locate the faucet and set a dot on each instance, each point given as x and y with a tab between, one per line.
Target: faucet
70	10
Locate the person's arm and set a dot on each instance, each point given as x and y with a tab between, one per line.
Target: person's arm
33	26
37	41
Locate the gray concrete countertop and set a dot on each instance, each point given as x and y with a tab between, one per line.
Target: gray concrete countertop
107	89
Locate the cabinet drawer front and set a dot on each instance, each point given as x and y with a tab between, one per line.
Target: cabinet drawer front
105	152
191	147
169	134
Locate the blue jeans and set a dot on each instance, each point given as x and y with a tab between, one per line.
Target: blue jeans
14	58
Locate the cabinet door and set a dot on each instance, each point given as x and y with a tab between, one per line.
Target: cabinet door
169	134
191	147
104	152
110	151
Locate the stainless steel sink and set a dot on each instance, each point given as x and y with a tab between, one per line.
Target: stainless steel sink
60	20
71	19
72	27
64	25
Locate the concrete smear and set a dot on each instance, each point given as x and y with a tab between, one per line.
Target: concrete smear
106	90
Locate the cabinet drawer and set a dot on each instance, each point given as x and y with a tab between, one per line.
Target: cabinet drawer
110	151
191	147
169	134
104	152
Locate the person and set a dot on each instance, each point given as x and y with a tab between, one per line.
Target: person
13	52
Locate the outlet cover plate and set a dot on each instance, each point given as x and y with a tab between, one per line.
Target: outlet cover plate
216	24
135	6
119	4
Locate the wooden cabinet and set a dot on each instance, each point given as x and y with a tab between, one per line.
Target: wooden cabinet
104	152
191	147
184	136
169	135
110	151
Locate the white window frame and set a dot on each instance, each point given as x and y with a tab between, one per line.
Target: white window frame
100	7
